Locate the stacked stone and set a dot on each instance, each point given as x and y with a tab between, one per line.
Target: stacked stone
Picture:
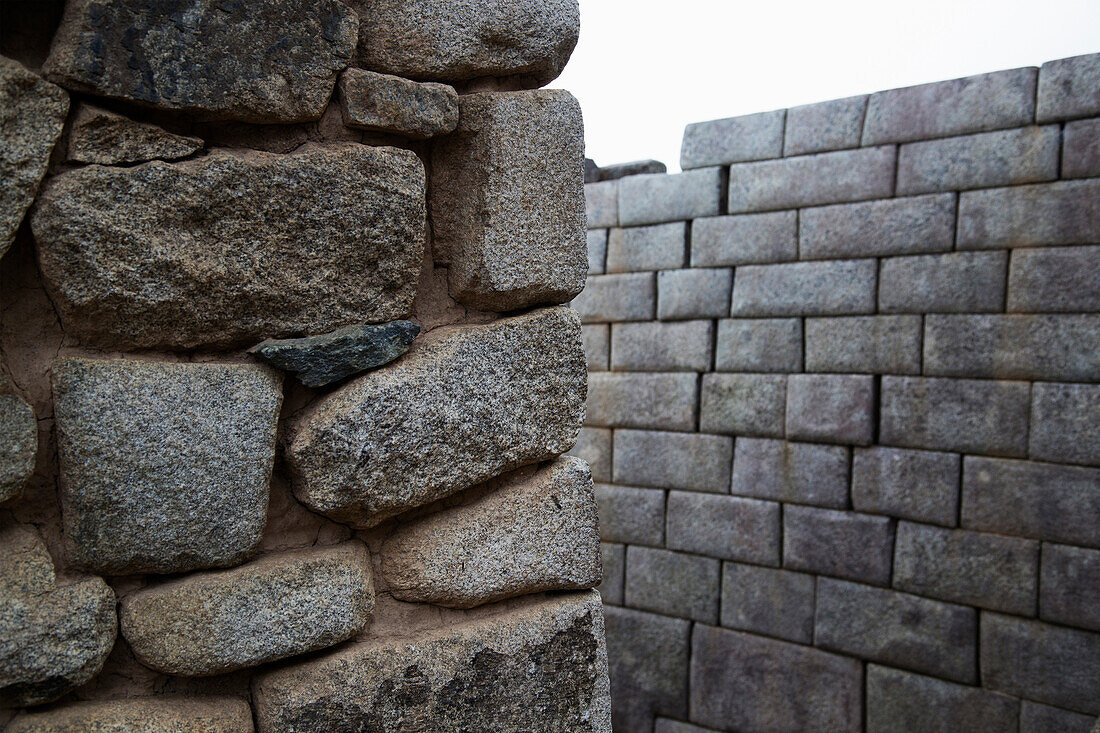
844	414
183	183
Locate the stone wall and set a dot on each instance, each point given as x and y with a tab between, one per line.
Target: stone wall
844	414
288	380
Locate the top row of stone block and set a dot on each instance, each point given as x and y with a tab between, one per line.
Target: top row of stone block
1063	89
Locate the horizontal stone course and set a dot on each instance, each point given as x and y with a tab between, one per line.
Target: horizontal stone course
768	601
1070	586
657	247
648	656
626	297
831	408
1055	279
743	404
658	197
1067	88
726	527
864	344
841	287
597	346
732	140
660	347
694	293
601	204
693	462
208	714
1063	212
800	473
838	543
672	583
759	345
832	125
961	282
910	225
898	700
1063	423
910	484
744	239
633	515
1081	149
636	400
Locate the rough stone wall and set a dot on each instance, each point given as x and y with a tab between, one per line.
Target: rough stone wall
287	380
844	414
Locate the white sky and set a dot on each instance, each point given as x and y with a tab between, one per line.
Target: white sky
645	68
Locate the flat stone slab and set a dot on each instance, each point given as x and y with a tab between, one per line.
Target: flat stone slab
533	532
467	403
233	247
18	445
537	667
101	136
168	714
270	62
275	607
386	103
165	467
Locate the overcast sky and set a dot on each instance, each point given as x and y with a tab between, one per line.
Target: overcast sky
645	68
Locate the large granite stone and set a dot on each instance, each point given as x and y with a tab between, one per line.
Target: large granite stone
648	655
270	62
25	565
100	136
233	247
902	702
537	667
464	405
274	607
507	201
165	467
167	714
18	445
385	103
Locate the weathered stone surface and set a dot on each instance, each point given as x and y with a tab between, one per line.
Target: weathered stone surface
532	533
165	467
734	139
768	601
1062	212
1067	88
1070	587
911	484
268	609
330	357
694	293
597	346
166	714
688	461
659	197
18	445
540	666
465	404
840	543
911	225
441	41
656	346
665	725
805	289
275	63
1063	423
864	344
832	125
672	583
657	247
663	401
830	408
631	515
743	404
745	239
372	101
594	448
513	154
901	701
726	527
25	565
597	251
601	204
1037	718
649	666
759	345
630	168
626	297
32	114
101	136
960	282
1081	149
1054	279
233	247
613	559
800	473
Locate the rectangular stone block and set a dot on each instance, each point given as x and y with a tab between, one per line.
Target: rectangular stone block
805	289
1055	279
831	408
1001	158
628	297
662	401
800	473
1026	499
1037	718
667	725
864	344
629	168
613	559
601	202
1013	346
912	225
206	713
744	239
696	293
672	583
657	247
1041	662
900	701
1081	149
898	629
648	656
689	461
726	527
656	346
745	682
759	345
596	346
812	180
767	601
658	197
910	484
734	139
971	104
631	515
1063	423
594	448
597	251
1070	586
1062	212
963	415
1067	88
839	543
961	282
832	125
743	404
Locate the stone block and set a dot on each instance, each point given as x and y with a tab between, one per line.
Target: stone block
1001	158
910	484
732	140
962	415
627	297
141	715
1081	149
693	462
726	527
759	345
659	347
475	402
744	239
805	289
898	629
960	282
1055	279
634	400
541	665
900	701
864	344
536	531
1027	499
597	346
840	543
385	103
630	168
1067	88
1070	586
824	126
911	225
1063	423
597	251
800	473
1013	346
237	246
1062	212
659	197
696	293
812	180
667	725
657	247
108	138
745	682
1045	663
831	408
165	467
672	583
18	445
601	203
765	601
26	567
1037	718
631	515
510	149
594	448
972	104
613	560
648	655
743	404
